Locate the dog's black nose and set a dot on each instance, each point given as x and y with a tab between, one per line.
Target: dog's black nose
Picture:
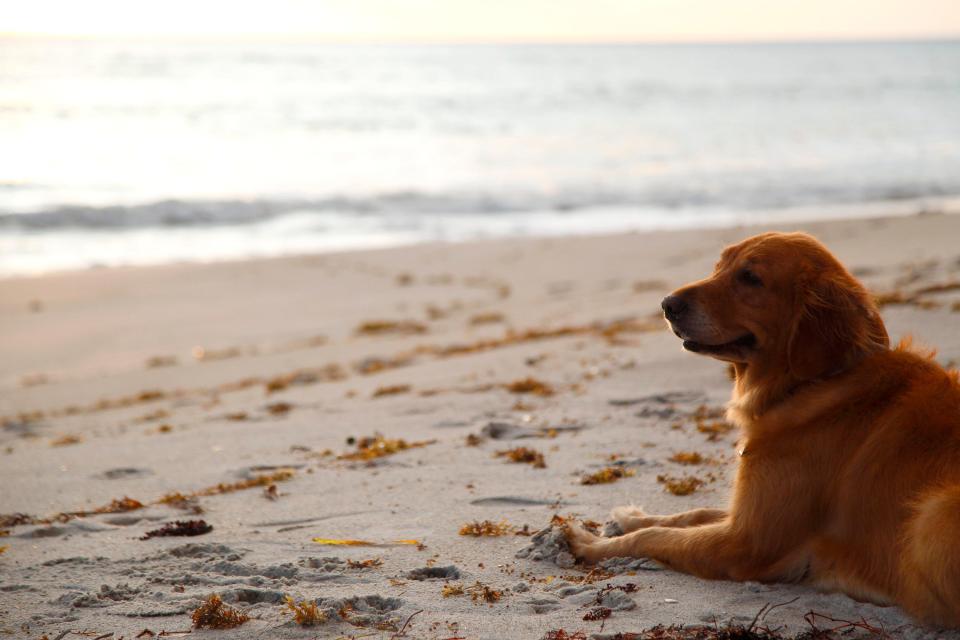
673	307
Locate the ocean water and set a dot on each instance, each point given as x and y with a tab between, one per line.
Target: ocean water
121	152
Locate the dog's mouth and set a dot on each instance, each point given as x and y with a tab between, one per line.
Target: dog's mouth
743	343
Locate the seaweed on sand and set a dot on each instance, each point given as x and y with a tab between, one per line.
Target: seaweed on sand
486	529
179	528
523	455
214	614
378	446
680	486
607	475
305	613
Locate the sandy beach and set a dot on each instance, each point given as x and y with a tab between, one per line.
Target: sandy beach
377	396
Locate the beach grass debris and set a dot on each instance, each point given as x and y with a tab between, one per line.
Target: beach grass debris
260	480
347	542
474	440
379	446
452	590
480	592
607	475
114	506
530	385
270	492
491	317
682	486
916	297
174	499
156	362
487	528
305	613
120	505
523	455
278	408
179	528
390	327
629	587
152	416
181	501
391	390
214	614
714	429
372	365
328	373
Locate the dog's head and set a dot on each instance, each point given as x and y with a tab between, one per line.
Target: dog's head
778	301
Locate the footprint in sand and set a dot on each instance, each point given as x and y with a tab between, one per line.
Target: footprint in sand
433	573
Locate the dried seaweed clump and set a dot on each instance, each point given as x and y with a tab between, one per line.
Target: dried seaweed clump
391	390
486	528
523	455
214	614
384	327
607	475
480	592
680	486
179	528
689	458
306	614
450	590
378	446
709	420
530	385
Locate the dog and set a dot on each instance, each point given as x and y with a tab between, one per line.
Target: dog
848	477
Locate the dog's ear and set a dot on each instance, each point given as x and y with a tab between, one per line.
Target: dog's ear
836	324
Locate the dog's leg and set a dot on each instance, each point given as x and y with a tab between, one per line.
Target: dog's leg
632	518
717	551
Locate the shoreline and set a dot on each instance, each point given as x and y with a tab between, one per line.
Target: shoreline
597	221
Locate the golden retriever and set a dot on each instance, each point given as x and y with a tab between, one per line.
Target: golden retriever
849	472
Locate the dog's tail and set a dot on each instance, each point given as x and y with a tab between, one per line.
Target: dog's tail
931	559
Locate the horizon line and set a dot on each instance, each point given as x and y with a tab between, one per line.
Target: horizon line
314	38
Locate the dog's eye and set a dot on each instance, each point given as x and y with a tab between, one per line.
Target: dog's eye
749	278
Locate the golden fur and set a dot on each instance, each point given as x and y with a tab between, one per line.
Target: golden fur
850	473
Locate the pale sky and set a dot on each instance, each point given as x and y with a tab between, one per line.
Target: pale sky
490	20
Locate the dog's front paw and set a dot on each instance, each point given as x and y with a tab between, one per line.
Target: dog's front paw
629	518
584	545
